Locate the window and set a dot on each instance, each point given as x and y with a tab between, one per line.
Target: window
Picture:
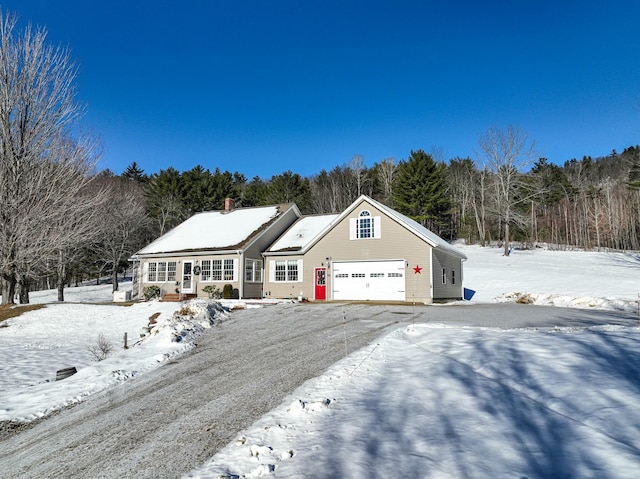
453	276
358	275
444	276
171	271
377	275
161	271
152	274
205	270
292	270
394	275
281	271
287	270
217	270
253	270
228	270
365	225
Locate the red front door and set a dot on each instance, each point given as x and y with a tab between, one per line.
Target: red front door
321	283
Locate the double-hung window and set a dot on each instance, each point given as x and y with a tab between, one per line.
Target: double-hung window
217	270
161	271
227	272
286	270
205	270
253	270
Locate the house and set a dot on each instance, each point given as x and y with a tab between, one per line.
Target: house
369	252
213	248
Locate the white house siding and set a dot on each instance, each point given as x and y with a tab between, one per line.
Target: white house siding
448	268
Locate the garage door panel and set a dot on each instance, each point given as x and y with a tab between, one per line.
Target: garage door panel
369	280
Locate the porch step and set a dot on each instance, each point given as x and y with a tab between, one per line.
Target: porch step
177	297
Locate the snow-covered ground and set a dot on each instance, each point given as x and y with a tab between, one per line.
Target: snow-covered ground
424	401
35	345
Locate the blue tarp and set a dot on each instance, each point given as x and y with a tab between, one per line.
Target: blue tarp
468	294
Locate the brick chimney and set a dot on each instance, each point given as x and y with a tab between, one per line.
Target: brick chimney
228	204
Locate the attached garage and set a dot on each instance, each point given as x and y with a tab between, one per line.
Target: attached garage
368	280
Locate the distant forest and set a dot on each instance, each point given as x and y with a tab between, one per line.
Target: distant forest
592	203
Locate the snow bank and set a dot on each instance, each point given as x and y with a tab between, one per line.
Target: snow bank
59	337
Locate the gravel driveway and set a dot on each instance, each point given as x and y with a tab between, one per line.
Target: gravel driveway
166	422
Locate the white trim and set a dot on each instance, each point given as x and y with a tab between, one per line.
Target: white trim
272	271
431	278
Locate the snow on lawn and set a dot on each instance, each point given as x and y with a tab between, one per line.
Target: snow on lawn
36	344
424	401
433	401
575	279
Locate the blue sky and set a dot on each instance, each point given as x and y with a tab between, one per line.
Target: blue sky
262	87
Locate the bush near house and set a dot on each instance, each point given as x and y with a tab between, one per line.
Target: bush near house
213	292
227	291
151	292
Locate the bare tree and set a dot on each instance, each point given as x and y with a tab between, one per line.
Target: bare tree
39	179
507	153
124	226
386	170
359	170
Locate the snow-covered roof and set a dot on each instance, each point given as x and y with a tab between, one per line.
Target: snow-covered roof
213	230
302	232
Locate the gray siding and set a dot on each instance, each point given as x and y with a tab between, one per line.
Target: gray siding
255	249
447	276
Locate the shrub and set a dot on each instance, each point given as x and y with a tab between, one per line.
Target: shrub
213	292
102	348
151	292
227	291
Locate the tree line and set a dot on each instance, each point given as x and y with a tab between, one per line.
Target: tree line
503	196
62	221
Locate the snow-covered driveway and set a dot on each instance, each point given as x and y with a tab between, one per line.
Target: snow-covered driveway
166	422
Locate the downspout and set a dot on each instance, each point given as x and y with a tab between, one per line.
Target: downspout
431	274
241	274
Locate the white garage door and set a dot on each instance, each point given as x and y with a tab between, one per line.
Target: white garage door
368	280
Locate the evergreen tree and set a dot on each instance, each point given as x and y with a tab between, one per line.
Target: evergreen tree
197	190
164	199
255	193
632	156
135	173
224	186
290	187
419	191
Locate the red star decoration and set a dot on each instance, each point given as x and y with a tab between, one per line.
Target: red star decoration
417	270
